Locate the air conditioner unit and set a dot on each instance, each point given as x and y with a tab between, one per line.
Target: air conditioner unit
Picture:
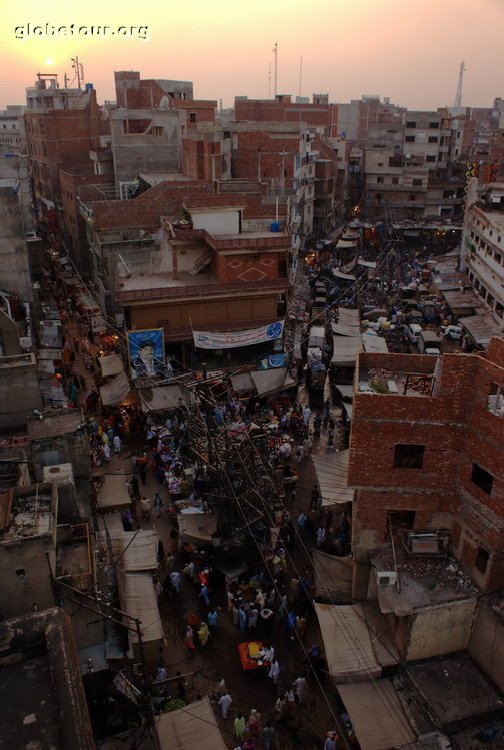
386	577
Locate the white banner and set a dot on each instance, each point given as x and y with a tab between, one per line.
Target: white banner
210	340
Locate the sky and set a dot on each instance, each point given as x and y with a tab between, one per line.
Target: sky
410	52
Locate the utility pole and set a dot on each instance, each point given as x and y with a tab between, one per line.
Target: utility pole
458	95
300	74
275	52
79	71
269	80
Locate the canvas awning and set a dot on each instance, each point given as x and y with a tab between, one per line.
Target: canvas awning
346	243
111	365
331	470
343	276
333	577
366	264
113	494
242	382
346	350
137	550
377	715
116	391
138	599
346	391
345	330
269	381
197	527
193	727
374	343
347	643
163	397
481	328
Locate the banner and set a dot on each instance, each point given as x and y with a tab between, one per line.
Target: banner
210	340
146	351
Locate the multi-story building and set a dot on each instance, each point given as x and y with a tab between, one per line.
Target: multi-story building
426	455
482	251
12	129
62	126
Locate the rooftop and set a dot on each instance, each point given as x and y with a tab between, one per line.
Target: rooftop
377	380
32	513
54	425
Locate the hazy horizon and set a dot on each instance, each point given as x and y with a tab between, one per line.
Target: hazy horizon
373	47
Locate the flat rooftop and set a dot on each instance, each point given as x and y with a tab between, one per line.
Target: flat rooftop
31	515
496	217
395	383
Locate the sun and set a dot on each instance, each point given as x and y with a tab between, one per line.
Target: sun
49	61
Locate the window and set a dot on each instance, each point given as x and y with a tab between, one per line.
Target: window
380	164
395	180
20	572
495	402
430	157
482	479
226	134
378	197
192	116
379	179
417	183
410	139
400	520
482	558
411	124
412	197
408	456
433	125
433	139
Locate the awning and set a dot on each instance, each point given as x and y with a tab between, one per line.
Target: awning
242	382
197	527
138	599
116	391
269	381
111	365
377	715
348	408
348	243
346	391
343	276
113	494
163	397
347	643
374	343
346	350
193	727
333	577
331	471
345	330
136	550
366	264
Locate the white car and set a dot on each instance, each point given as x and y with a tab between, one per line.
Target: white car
453	332
413	332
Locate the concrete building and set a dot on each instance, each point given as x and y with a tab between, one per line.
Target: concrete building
28	549
12	129
44	704
482	250
426	455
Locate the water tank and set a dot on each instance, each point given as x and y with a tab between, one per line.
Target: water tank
88	86
275	226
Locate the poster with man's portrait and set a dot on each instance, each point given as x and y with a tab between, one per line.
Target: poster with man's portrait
147	355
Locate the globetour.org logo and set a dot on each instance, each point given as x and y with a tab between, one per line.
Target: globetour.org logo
33	30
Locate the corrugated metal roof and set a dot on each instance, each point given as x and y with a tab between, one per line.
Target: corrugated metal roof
377	715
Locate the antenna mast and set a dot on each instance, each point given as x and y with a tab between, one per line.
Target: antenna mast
300	74
79	71
275	52
458	96
269	80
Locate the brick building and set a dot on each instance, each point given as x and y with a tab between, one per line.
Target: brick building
426	454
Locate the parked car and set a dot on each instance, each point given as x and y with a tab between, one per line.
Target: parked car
453	332
413	332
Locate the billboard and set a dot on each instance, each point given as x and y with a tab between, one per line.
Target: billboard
146	352
211	340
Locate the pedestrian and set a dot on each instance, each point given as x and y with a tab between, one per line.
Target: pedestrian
330	448
274	671
224	704
306	416
161	674
242	615
299	685
158	588
212	618
300	451
236	616
105	450
268	736
327	407
267	621
203	594
175	579
254	722
330	743
239	726
314	496
220	688
301	626
158	504
252	618
117	444
189	638
203	633
320	536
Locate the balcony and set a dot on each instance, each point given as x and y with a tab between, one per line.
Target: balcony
137	289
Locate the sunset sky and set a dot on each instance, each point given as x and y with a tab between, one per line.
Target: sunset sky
410	52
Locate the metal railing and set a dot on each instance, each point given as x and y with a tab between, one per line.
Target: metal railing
201	290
